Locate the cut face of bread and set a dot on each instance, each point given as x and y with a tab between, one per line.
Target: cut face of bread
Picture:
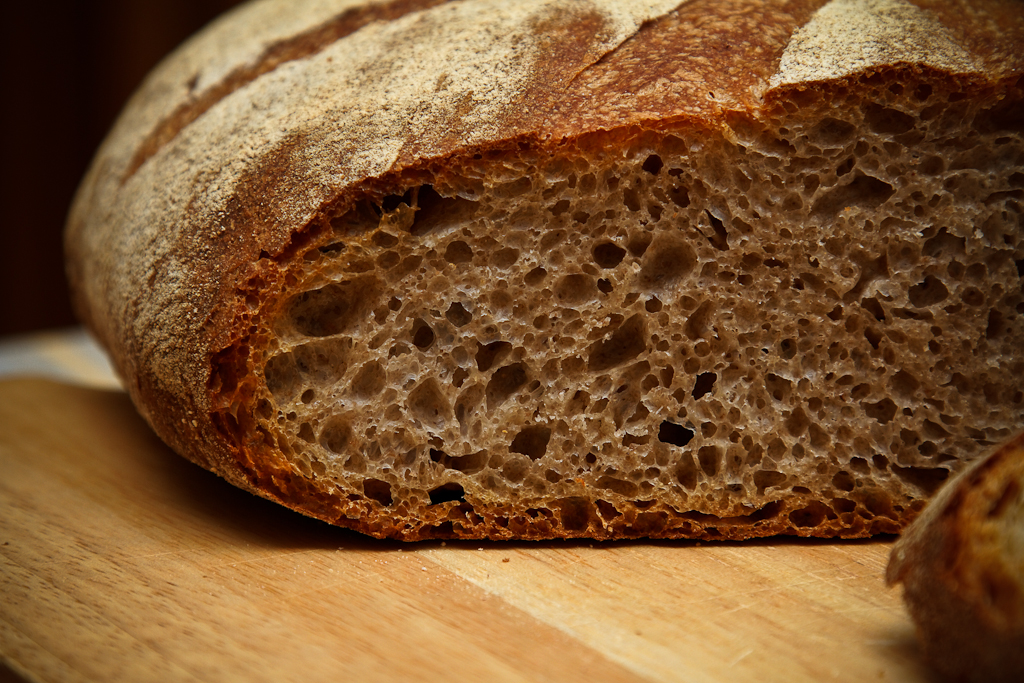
790	305
796	325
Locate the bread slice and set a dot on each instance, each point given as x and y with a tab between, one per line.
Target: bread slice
961	564
596	269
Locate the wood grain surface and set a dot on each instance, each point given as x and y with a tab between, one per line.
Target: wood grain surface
120	561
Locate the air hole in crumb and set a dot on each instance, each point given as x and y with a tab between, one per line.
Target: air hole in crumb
886	121
458	315
282	376
720	239
944	245
489	354
607	511
334	308
638	243
996	325
369	380
686	471
391	203
627	342
428	403
675	434
626	489
532	441
863	191
928	293
812	515
505	382
973	297
710	458
574	513
535	276
668	260
264	409
704	384
883	411
378	490
384	239
575	288
458	252
447	493
830	132
335	436
679	196
467	464
608	254
631	198
505	258
843	481
874	308
653	164
904	383
560	207
422	334
928	479
873	336
764	479
434	211
332	249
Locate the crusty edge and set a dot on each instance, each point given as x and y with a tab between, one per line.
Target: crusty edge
935	536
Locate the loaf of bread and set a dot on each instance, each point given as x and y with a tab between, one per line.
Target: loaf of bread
961	564
592	268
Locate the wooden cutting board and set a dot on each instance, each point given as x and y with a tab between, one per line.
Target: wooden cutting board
120	561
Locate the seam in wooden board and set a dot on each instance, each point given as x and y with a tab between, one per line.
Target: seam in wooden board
20	654
305	44
536	608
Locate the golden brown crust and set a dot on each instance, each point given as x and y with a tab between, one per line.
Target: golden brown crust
197	204
962	568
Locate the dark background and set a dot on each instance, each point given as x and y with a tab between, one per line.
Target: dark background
67	69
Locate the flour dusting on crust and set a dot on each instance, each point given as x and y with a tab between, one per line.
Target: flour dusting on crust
847	36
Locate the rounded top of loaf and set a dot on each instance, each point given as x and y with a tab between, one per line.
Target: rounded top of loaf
280	111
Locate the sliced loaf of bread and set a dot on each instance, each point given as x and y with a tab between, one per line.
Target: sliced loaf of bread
714	269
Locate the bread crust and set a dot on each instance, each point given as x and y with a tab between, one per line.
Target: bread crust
962	568
240	149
